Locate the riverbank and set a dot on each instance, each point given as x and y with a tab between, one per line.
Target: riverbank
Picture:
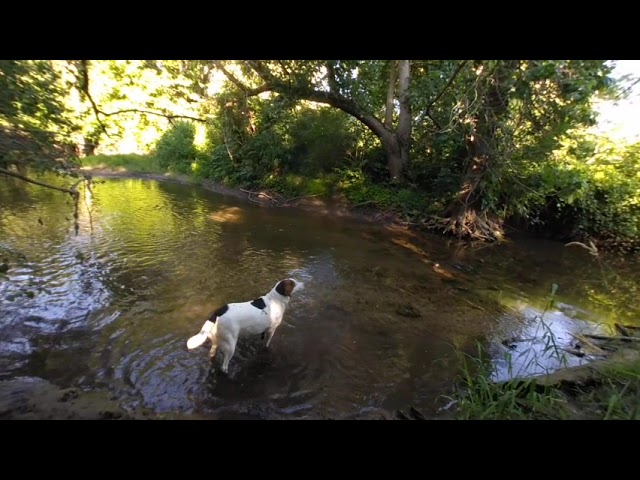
336	206
405	209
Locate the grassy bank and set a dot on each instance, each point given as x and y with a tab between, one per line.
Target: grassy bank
131	163
404	204
606	390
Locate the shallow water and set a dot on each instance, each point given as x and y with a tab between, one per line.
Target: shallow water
112	306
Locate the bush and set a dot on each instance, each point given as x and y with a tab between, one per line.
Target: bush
589	188
175	150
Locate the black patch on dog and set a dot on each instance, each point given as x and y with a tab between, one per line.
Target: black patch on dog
218	313
264	334
285	287
259	304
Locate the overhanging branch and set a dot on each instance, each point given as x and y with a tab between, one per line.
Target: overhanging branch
71	191
148	112
83	82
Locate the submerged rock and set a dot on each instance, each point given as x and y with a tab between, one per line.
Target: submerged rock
408	310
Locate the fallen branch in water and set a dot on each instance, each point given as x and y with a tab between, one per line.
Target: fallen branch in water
613	337
276	199
630	327
586	342
73	190
576	352
625	330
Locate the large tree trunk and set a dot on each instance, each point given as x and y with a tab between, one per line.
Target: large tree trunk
404	121
391	96
465	216
392	149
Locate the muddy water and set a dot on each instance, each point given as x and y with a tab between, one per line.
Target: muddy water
110	307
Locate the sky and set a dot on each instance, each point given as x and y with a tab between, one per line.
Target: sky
621	119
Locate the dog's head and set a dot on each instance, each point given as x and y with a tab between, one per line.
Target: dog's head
288	286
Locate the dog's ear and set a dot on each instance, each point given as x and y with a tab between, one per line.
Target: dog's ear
285	287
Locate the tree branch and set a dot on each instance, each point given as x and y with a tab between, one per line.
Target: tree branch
332	98
262	71
71	191
83	81
447	85
307	93
249	92
148	112
83	70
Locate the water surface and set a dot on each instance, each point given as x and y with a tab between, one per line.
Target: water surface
112	306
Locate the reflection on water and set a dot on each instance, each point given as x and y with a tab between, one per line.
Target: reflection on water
112	306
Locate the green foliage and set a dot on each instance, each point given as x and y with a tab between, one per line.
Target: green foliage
291	185
589	187
175	150
321	140
31	95
36	125
410	203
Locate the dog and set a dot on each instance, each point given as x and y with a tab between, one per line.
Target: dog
261	316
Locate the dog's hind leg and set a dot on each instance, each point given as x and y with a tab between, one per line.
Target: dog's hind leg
227	347
214	348
270	334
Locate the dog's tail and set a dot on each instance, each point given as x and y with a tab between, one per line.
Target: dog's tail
208	330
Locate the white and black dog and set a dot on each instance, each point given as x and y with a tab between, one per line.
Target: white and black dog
260	316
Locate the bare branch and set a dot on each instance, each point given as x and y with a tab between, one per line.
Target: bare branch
71	191
84	88
284	68
148	112
448	84
83	70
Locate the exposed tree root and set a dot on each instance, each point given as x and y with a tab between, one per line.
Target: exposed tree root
468	224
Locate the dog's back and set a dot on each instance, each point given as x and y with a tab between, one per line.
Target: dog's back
248	318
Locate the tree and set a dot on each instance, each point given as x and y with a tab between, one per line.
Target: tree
335	83
36	130
521	111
